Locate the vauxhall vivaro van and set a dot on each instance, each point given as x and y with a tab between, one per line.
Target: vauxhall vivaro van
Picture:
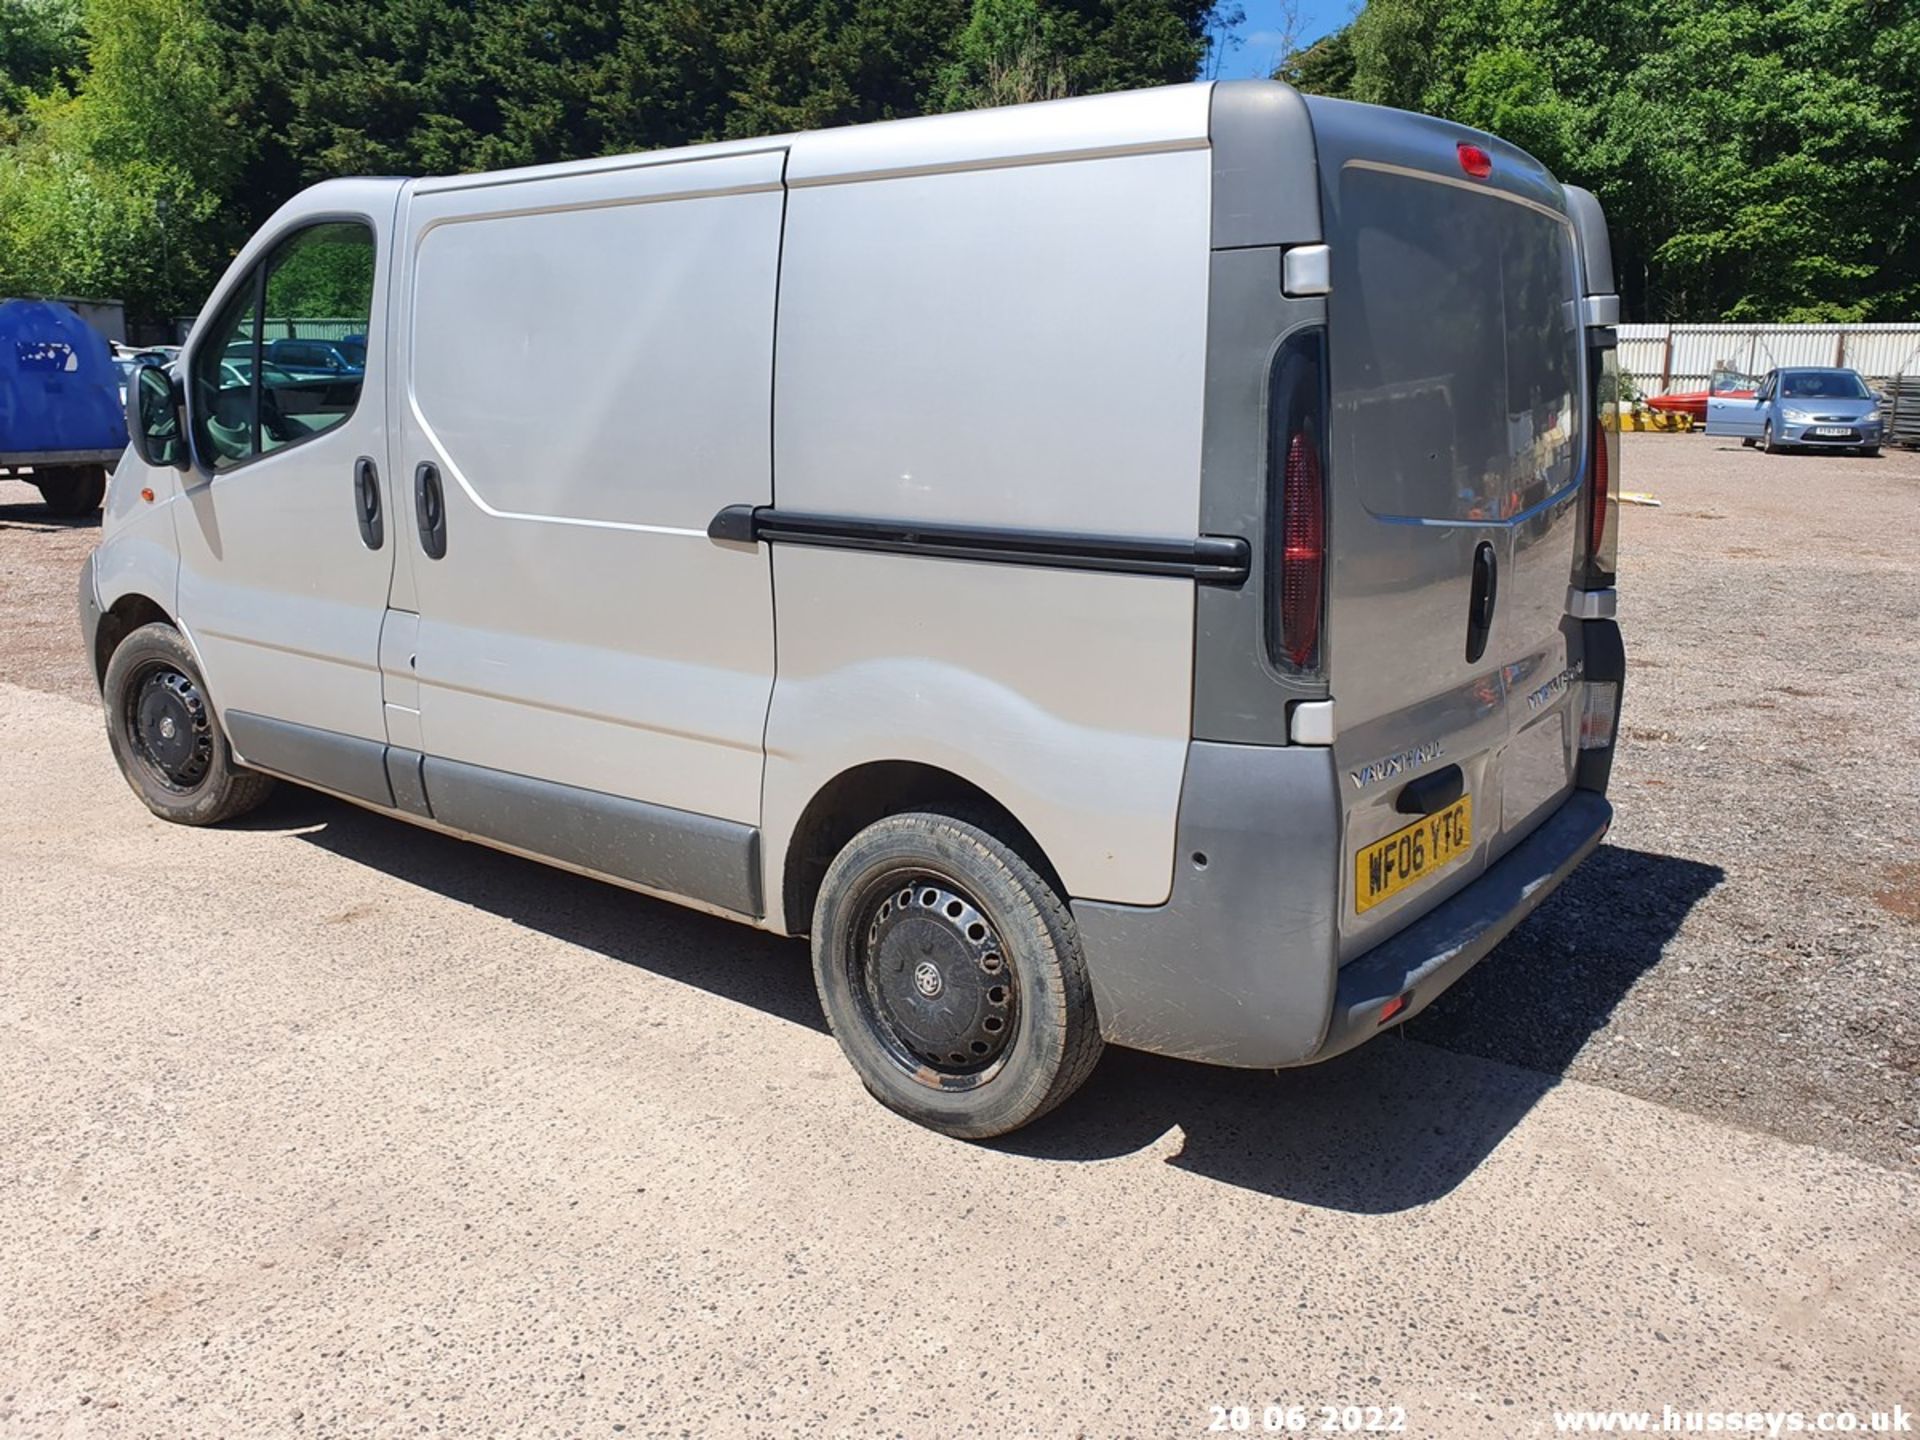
1134	568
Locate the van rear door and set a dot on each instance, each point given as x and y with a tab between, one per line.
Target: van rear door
1458	445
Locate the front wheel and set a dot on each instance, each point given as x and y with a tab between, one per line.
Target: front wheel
72	491
1766	439
165	736
951	974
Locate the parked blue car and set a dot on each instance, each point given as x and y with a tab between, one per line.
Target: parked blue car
1804	407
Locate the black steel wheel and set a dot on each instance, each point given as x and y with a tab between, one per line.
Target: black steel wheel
950	971
933	979
166	736
172	728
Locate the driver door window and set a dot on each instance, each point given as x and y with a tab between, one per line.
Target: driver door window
316	284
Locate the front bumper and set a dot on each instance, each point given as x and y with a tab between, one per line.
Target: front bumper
1808	434
89	600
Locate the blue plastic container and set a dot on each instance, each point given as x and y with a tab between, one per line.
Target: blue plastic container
59	388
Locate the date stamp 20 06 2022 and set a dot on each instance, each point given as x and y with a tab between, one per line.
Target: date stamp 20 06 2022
1283	1419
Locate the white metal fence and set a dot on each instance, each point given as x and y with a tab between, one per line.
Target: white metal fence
1681	357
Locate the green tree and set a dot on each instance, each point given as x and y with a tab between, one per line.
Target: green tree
42	48
117	191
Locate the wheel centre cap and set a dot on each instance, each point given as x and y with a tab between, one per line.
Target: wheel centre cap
926	979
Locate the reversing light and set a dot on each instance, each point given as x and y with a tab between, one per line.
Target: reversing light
1475	161
1303	551
1599	706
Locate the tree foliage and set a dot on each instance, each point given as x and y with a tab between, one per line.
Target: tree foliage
117	191
1757	160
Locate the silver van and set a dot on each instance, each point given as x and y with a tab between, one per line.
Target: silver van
1135	568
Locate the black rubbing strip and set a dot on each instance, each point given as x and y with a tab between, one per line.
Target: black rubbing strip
1211	559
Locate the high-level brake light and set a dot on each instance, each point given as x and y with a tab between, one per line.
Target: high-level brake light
1475	161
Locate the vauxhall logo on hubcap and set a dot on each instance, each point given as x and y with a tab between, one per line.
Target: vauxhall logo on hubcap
926	978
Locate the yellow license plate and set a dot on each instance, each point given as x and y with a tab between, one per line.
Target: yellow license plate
1408	856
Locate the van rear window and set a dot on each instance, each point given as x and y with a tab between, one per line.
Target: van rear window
1455	348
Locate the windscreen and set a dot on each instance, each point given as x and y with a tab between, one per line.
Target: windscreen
1822	385
1457	346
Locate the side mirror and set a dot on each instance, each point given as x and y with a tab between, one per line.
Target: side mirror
153	417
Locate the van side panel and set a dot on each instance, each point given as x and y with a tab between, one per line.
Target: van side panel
589	362
1015	348
1062	695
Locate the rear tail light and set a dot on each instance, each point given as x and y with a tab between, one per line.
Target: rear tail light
1296	563
1601	547
1599	709
1597	498
1303	551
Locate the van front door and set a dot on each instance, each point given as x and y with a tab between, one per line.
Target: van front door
285	555
586	380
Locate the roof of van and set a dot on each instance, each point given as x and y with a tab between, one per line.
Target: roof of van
1172	117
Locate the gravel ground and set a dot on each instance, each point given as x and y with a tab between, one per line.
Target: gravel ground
1747	945
39	569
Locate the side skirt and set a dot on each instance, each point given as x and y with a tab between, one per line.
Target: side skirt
710	863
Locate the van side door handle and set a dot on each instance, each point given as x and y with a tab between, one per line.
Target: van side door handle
366	502
1486	587
430	509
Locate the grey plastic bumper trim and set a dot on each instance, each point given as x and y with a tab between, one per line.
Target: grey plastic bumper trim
1436	950
1240	966
344	764
716	862
89	602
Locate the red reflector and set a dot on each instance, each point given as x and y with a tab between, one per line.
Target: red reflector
1303	551
1393	1007
1597	515
1475	161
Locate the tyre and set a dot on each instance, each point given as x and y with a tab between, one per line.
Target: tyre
166	737
1872	452
1766	440
951	974
72	491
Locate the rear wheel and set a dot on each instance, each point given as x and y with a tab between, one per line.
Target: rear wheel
72	490
165	736
951	973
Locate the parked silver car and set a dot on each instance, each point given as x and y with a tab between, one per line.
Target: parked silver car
1818	408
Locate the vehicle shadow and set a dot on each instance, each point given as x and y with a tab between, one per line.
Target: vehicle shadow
722	957
1402	1121
32	515
1394	1124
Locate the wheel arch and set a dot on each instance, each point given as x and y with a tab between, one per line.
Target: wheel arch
857	797
119	620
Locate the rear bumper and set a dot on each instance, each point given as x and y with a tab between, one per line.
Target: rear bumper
1241	965
1436	950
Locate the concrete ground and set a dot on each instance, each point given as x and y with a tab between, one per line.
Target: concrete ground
324	1125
